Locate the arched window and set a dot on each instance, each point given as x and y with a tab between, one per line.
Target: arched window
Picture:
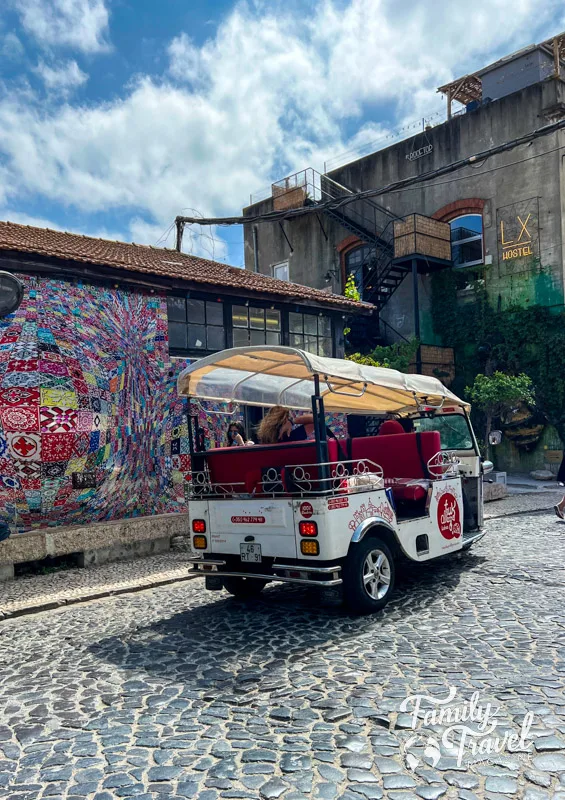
467	240
357	263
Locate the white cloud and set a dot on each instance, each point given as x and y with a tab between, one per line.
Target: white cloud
63	79
79	24
185	63
21	218
269	94
11	47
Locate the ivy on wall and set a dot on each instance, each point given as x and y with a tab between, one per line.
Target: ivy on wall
515	340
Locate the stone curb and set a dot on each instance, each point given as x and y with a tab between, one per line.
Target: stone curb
527	513
48	605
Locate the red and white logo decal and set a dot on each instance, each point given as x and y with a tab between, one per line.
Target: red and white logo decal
248	520
448	516
338	502
306	510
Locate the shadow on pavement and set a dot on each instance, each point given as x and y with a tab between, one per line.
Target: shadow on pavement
223	642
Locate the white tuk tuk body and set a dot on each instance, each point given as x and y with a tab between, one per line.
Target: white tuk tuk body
330	512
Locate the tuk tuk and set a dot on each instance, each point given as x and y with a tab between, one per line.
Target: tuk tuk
330	512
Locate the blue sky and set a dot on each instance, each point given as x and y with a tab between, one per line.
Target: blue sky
116	115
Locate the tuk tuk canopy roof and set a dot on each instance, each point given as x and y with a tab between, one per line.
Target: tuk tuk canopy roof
268	376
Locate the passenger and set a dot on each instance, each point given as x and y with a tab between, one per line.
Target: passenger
236	436
390	426
276	426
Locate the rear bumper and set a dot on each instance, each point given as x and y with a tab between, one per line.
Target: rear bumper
472	537
303	574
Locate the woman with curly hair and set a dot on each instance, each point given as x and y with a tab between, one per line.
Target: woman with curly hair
276	426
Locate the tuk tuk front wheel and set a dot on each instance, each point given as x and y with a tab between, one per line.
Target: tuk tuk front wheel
244	587
368	576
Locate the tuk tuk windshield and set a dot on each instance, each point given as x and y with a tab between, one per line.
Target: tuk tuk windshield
453	429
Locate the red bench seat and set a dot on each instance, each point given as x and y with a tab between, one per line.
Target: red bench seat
248	465
401	460
404	465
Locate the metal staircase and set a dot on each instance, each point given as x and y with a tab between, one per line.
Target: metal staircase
366	219
373	224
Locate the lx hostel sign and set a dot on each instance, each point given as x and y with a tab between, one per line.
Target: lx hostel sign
518	230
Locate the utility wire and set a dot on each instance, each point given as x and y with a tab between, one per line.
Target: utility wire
396	186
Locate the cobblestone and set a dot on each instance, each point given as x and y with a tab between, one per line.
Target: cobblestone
175	692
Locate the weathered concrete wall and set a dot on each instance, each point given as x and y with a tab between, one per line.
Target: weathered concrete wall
510	458
313	252
97	543
533	171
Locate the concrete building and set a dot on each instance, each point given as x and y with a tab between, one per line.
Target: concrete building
505	210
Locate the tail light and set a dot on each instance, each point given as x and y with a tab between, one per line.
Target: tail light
199	526
309	547
199	542
308	528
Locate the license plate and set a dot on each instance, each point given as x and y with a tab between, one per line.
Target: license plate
250	552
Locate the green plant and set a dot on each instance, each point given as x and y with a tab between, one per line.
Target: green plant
395	356
351	291
497	393
514	340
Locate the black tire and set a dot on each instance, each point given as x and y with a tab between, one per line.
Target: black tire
244	587
360	596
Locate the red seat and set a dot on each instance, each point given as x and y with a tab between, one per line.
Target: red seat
400	459
248	465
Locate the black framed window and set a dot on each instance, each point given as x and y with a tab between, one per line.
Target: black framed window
311	332
195	325
357	263
254	325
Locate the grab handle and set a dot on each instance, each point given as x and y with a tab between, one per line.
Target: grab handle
342	393
220	413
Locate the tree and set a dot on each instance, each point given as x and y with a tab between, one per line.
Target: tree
497	393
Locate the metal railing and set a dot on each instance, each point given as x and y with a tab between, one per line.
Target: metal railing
332	478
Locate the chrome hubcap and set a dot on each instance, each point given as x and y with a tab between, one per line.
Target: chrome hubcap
376	574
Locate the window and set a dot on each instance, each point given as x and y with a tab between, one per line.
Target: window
253	325
357	263
453	429
280	271
195	325
467	240
311	333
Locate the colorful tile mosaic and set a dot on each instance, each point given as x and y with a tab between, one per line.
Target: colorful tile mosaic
86	385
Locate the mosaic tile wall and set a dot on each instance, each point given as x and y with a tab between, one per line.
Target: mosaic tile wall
87	390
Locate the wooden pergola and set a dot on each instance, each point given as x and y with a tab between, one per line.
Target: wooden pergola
469	87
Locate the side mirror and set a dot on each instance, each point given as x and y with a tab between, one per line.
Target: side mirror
495	437
487	466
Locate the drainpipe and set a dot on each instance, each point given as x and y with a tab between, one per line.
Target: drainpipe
416	314
255	250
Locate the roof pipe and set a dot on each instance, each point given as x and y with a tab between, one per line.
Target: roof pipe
255	250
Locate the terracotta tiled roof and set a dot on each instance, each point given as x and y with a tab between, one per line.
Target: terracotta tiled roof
160	261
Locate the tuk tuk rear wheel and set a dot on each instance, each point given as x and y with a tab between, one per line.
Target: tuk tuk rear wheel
368	576
244	587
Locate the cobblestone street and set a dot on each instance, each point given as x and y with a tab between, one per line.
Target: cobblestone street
176	692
